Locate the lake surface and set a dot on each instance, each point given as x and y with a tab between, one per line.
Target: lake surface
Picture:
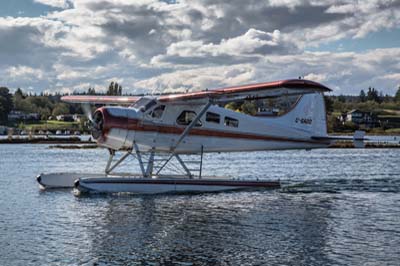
339	207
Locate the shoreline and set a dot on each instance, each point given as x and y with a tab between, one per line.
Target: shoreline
44	140
76	143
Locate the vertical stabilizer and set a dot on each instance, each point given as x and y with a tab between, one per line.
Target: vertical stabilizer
308	115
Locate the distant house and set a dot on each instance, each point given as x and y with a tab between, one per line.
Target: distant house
21	116
342	118
366	119
267	111
33	116
66	118
77	117
389	121
16	115
69	118
3	130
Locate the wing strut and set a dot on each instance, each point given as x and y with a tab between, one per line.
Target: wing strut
183	135
190	126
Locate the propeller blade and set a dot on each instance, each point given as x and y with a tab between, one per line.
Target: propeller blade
88	111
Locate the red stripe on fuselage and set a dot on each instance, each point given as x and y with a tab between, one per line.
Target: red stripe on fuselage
140	125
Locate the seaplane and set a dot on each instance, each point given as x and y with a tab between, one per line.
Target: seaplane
162	132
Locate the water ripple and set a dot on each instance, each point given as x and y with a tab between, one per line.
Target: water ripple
337	207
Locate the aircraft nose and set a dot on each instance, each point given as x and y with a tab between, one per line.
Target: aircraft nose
39	179
97	124
109	126
76	183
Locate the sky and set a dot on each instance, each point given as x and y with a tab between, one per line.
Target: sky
188	45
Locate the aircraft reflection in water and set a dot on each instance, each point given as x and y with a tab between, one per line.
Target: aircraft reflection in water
213	229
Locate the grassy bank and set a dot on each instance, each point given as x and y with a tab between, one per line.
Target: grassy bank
370	132
368	145
47	125
50	125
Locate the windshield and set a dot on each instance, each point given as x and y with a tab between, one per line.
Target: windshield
144	104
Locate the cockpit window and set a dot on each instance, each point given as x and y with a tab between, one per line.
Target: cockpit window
158	111
144	104
186	117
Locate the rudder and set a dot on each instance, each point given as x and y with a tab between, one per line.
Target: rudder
308	115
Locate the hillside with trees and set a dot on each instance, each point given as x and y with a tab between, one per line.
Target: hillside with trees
6	104
42	111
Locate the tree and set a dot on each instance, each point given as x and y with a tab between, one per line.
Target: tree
60	109
249	108
342	98
362	96
6	103
91	91
19	94
372	95
110	88
44	113
19	98
328	104
232	106
114	89
397	95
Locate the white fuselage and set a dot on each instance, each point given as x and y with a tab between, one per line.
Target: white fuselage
218	130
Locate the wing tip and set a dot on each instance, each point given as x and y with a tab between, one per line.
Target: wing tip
309	83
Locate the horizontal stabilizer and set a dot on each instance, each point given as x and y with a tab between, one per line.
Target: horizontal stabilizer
358	138
358	135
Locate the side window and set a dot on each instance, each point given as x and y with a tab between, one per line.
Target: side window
231	122
158	111
186	117
212	117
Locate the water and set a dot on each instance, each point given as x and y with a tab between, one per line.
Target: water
339	207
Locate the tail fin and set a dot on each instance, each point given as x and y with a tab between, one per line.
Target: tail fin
308	115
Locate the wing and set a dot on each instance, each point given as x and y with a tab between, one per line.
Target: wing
252	91
245	92
98	99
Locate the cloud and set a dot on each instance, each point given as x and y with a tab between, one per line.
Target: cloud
24	71
166	45
244	48
54	3
344	72
394	76
199	78
316	77
29	41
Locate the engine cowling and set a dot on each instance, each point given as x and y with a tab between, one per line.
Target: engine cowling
112	125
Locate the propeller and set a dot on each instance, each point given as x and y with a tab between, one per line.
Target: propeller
88	111
96	120
97	125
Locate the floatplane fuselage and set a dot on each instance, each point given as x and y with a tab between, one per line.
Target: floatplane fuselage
194	123
161	125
